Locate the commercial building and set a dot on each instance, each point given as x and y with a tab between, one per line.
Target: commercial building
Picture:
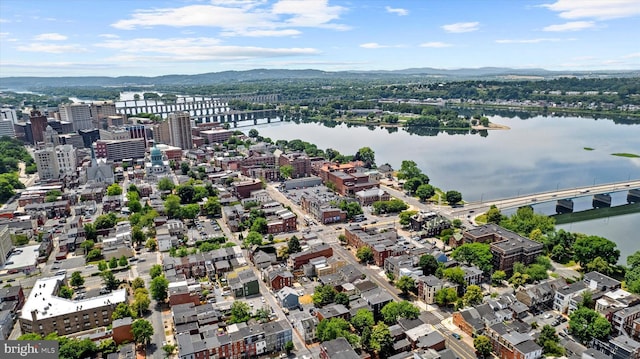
53	162
117	150
45	312
79	114
6	128
5	244
300	163
507	247
38	123
180	130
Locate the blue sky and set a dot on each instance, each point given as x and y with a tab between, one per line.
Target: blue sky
150	38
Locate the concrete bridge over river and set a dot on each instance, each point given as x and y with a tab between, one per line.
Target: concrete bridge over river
201	109
563	198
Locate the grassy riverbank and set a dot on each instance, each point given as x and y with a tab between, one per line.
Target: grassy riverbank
596	213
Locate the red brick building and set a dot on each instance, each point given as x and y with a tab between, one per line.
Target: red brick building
297	260
122	330
345	178
243	189
383	245
300	163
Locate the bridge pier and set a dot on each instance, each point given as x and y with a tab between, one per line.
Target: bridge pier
633	196
601	200
564	206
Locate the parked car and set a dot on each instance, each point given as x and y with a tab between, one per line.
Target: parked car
456	335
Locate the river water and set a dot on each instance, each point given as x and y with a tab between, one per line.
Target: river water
538	154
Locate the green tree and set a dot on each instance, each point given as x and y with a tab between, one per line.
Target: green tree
172	205
294	245
425	191
90	232
110	280
137	235
184	168
478	254
212	207
599	265
65	292
446	296
588	248
586	324
106	221
240	312
406	284
155	271
428	264
408	169
472	296
141	301
405	217
114	190
113	263
261	226
453	197
524	221
186	193
87	245
323	295
137	283
366	155
549	340
455	274
494	215
497	277
189	211
394	310
252	238
381	341
286	171
519	279
159	286
364	254
122	262
288	347
329	329
122	311
537	272
169	349
341	298
102	266
253	133
76	279
166	184
362	319
142	331
482	344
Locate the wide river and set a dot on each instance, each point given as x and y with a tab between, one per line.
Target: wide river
538	154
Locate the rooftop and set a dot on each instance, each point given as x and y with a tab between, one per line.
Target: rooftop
47	304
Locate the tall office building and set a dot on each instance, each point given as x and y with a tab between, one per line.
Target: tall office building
180	130
9	114
38	125
47	163
100	112
79	114
6	128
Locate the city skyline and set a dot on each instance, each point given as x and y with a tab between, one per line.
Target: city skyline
151	38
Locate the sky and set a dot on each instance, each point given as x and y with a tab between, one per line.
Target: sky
156	37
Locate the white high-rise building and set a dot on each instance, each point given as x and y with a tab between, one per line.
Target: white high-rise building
54	162
9	114
180	130
67	159
47	163
79	114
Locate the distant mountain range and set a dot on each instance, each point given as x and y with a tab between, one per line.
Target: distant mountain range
484	73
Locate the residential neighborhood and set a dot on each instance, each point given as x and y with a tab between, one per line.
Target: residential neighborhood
202	241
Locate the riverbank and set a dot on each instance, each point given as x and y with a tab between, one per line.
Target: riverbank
631	116
596	213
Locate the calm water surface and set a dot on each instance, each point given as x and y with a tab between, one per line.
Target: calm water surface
534	155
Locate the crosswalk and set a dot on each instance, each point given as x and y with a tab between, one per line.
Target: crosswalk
438	326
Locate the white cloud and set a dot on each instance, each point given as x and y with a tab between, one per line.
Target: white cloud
397	11
191	49
51	48
596	9
530	41
632	56
4	20
570	26
375	45
435	44
461	27
52	36
109	36
262	33
242	17
372	45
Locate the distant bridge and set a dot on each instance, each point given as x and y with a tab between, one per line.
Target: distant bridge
563	197
202	109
